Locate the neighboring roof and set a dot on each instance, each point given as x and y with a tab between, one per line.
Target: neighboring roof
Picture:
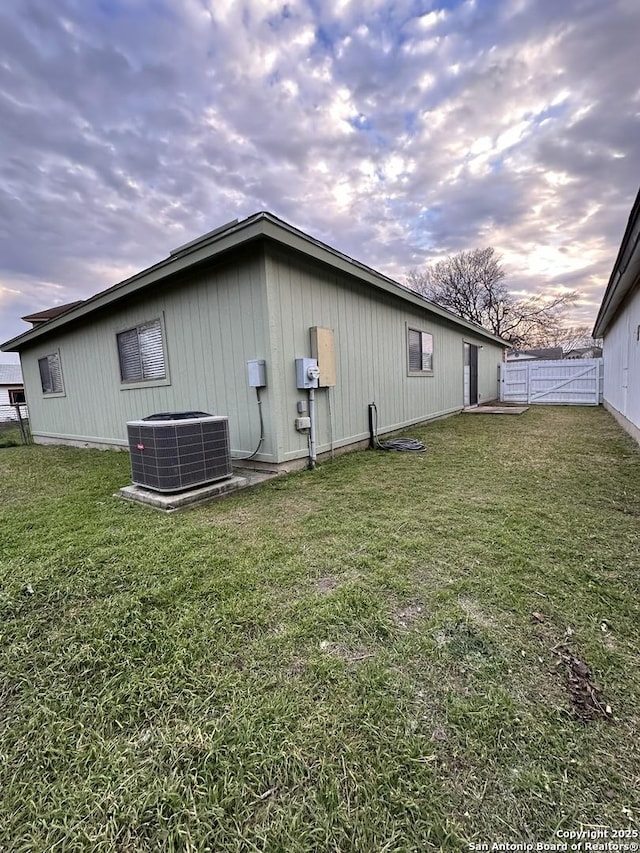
50	313
214	244
585	352
548	353
10	374
625	275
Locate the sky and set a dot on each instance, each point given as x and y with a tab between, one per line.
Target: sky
397	132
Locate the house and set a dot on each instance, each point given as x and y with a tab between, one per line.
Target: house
41	317
584	352
541	354
618	322
180	334
11	391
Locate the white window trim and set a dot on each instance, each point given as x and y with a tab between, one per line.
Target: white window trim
133	384
414	328
48	395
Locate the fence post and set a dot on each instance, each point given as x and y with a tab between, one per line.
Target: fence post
23	432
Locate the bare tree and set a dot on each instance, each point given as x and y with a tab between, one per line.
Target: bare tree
471	285
569	338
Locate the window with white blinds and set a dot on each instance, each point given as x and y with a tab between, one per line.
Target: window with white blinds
420	351
51	374
141	353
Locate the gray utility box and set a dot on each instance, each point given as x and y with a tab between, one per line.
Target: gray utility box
172	451
257	373
306	373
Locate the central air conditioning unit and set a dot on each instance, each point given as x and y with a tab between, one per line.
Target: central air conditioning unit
172	451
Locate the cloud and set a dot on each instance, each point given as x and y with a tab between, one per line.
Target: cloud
396	133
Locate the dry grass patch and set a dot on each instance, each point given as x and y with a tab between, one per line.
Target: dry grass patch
475	613
326	584
404	617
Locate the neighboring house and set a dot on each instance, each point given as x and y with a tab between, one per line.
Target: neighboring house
618	322
546	354
178	336
11	391
584	352
41	317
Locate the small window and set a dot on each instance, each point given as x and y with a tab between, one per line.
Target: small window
141	353
51	374
16	397
420	351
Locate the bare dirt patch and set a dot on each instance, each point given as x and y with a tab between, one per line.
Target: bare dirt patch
326	584
406	616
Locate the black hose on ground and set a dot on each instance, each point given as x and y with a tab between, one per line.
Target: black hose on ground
404	445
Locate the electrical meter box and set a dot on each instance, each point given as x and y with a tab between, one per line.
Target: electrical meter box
257	372
307	373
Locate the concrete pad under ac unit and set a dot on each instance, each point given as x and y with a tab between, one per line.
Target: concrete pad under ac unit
182	500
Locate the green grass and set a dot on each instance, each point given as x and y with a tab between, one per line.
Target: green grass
10	435
337	660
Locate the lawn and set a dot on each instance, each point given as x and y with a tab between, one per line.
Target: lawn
11	435
395	652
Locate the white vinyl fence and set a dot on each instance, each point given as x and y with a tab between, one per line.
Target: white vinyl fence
576	382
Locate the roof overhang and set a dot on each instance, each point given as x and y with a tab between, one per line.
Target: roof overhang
50	313
214	245
625	275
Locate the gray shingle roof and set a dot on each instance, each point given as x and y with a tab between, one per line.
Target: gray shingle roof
10	374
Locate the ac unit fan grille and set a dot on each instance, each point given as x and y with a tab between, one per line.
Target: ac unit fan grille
173	455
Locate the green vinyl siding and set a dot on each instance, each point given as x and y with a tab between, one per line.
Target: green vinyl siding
370	329
260	302
213	320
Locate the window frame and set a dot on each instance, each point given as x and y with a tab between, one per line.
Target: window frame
152	381
421	331
12	392
50	394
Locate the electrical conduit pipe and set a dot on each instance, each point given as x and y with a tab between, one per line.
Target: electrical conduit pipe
312	428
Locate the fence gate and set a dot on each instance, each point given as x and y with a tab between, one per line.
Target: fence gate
576	382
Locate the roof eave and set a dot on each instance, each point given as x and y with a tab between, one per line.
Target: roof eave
261	224
178	262
615	296
321	251
619	286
